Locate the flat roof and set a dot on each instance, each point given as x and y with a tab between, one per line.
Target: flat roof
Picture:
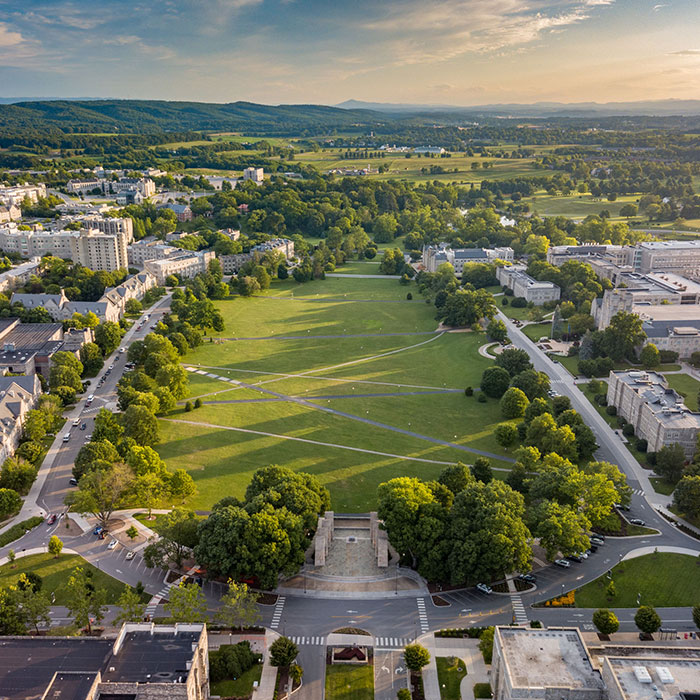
27	664
683	676
71	685
669	245
154	658
538	658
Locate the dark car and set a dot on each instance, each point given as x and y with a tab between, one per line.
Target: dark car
593	547
73	481
527	578
97	530
83	426
51	520
575	557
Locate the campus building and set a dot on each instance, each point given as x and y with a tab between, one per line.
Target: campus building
18	276
152	249
656	411
18	395
530	289
556	664
27	348
16	194
230	264
257	175
559	254
10	213
434	256
144	662
185	263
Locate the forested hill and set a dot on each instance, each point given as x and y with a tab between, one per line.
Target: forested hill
148	116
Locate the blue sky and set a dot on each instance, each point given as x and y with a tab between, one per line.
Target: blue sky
325	51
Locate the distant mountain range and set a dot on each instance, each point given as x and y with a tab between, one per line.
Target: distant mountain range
657	108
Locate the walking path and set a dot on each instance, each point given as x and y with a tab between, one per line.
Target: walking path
368	421
465	649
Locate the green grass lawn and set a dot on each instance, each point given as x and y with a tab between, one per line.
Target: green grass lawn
662	579
520	313
56	572
359	267
450	670
349	682
537	331
240	688
661	485
687	387
570	363
342	373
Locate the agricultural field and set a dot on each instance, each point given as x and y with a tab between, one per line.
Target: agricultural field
343	378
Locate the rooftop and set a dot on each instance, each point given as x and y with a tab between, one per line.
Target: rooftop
655	678
547	658
670	245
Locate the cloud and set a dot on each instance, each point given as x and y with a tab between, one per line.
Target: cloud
8	37
417	32
686	52
656	8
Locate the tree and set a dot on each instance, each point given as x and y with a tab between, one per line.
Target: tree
132	607
622	336
486	644
141	425
514	403
506	433
514	361
12	619
283	651
178	537
34	604
134	306
174	378
456	477
670	460
55	546
405	693
101	492
107	427
416	656
559	528
686	496
496	330
181	485
94	455
239	606
560	404
466	307
108	335
132	533
10	502
17	474
481	470
544	434
650	356
495	381
606	621
148	490
487	535
85	602
295	673
534	384
647	619
11	556
186	603
91	357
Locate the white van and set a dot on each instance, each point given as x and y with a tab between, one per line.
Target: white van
90	399
66	437
76	422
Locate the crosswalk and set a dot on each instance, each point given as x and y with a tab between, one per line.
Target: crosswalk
277	613
309	641
391	642
518	610
157	599
422	615
638	492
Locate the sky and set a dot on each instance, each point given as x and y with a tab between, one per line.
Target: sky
458	52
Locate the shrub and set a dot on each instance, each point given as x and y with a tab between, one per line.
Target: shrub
188	406
641	445
481	398
628	430
651	458
409	296
198	403
469	391
403	694
518	303
504	301
611	410
668	357
535	625
486	644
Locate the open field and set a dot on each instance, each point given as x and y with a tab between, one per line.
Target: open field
536	331
55	574
349	682
354	392
577	206
660	579
687	387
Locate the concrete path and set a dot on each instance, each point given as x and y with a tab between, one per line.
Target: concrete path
465	649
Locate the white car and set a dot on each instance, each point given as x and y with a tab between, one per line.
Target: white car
484	588
122	350
111	366
563	563
112	544
130	555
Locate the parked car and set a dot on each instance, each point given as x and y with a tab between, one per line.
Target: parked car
88	437
51	519
484	588
76	422
637	521
122	350
73	481
111	367
575	557
593	547
563	563
83	426
597	541
112	544
527	578
97	530
130	555
619	506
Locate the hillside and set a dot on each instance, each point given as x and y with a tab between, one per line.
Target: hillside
145	116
